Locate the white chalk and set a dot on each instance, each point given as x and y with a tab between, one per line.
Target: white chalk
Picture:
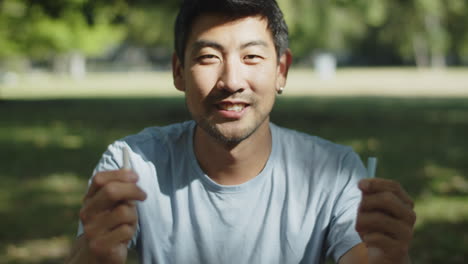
126	158
371	167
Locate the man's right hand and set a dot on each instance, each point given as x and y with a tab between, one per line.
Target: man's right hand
109	216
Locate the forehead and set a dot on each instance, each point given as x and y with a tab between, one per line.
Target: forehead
219	28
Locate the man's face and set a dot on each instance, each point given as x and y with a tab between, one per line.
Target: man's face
230	75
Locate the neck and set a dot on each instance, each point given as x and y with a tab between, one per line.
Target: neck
233	164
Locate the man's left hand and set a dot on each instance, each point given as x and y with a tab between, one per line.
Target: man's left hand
385	221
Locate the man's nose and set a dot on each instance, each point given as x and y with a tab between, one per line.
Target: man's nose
232	77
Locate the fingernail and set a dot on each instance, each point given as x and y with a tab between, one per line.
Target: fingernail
363	185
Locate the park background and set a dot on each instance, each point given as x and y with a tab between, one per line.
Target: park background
75	75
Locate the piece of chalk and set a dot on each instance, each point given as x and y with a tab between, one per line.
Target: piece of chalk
126	158
371	167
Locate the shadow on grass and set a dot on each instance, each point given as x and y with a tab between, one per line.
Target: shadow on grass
441	242
420	142
43	137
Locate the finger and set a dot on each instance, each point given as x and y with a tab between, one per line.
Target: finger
103	178
112	242
96	225
110	195
121	234
124	213
113	193
377	222
376	185
389	203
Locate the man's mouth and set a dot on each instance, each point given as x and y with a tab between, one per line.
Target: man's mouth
232	107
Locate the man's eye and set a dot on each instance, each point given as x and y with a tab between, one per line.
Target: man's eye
208	58
252	58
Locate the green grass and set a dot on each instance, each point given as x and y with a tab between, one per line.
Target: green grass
48	149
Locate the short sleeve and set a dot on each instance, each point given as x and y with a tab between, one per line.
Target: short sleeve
110	160
342	235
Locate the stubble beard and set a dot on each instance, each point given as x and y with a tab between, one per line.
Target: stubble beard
214	132
210	127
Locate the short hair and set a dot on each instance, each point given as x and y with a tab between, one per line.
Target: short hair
190	10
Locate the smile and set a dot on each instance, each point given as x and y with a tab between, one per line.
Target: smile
233	107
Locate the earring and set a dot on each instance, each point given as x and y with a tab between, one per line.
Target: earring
280	91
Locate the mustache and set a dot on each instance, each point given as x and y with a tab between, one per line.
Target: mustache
219	95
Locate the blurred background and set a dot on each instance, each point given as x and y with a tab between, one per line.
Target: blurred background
389	78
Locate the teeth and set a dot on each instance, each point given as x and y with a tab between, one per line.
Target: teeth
232	107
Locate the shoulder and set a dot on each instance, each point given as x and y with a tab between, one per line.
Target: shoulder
159	135
309	145
316	162
152	143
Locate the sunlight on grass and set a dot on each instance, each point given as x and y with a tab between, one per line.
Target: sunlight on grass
64	189
66	185
62	183
43	85
408	82
445	180
442	209
55	134
39	250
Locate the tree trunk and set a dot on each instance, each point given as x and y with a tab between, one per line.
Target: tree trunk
77	65
437	39
72	64
325	65
59	64
438	61
421	51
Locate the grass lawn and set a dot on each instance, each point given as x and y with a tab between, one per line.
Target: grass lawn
48	149
407	82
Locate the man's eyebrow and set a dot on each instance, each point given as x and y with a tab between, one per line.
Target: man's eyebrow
254	43
200	44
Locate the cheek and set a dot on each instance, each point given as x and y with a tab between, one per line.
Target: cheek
202	80
264	79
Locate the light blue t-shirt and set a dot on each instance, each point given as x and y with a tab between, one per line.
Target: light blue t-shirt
300	209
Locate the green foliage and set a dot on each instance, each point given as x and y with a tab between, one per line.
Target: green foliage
340	25
42	29
321	25
33	29
11	14
150	25
376	12
70	33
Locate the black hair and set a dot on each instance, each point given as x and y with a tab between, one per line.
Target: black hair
232	9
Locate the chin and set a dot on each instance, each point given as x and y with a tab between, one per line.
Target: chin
225	133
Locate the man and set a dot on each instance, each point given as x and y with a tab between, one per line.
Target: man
231	187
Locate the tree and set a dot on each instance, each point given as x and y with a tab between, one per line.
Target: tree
322	26
64	31
416	29
424	31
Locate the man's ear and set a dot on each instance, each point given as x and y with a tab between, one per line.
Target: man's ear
178	73
285	62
